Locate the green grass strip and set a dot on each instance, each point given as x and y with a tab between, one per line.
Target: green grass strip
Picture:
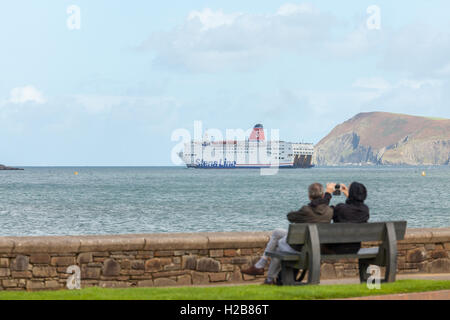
244	292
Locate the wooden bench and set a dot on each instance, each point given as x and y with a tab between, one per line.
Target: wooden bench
312	236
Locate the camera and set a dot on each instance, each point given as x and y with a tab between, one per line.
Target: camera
337	190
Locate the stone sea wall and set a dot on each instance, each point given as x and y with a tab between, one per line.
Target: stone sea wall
146	260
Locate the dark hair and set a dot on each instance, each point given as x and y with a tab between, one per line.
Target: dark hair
357	193
315	191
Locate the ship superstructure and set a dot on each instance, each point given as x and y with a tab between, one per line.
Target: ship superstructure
251	152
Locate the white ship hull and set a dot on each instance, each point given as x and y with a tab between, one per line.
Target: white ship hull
249	153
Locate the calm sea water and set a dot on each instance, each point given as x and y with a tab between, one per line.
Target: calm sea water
55	201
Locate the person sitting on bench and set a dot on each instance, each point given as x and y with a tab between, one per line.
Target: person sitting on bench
352	211
317	211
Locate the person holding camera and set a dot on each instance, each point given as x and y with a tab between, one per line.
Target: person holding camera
354	210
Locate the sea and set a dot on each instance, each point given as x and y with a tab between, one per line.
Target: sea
120	200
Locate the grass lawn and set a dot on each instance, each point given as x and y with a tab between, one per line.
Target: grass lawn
244	292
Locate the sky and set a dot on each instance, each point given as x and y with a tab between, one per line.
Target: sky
107	83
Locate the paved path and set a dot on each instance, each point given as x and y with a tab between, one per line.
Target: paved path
430	295
419	276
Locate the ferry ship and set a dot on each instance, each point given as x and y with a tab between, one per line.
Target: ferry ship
252	152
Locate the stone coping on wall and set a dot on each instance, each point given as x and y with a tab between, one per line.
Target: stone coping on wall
171	241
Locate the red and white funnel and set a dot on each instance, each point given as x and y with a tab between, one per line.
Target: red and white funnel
257	133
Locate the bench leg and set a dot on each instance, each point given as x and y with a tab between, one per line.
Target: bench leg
313	255
287	275
363	275
391	253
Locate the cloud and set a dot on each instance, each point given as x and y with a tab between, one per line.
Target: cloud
418	50
26	94
211	40
371	83
426	96
212	19
65	114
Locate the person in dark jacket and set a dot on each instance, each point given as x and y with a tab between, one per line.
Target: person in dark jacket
317	211
352	211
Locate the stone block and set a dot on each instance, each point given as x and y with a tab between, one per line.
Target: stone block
169	274
20	263
227	267
21	274
46	244
125	264
208	264
219	276
111	243
348	273
52	284
4	262
114	284
416	255
90	272
248	277
401	262
229	252
144	255
153	265
440	266
62	261
35	285
227	240
164	282
176	260
172	266
141	277
200	278
216	253
145	283
100	254
236	276
137	265
111	268
405	246
424	267
44	272
9	283
85	257
437	254
178	241
40	258
327	271
6	245
245	252
184	280
240	260
132	272
4	272
226	260
163	253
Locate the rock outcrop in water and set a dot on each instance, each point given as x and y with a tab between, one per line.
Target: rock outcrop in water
3	167
386	138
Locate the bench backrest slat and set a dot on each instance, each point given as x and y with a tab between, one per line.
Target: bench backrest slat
345	232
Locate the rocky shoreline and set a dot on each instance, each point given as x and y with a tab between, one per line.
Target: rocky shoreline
3	167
